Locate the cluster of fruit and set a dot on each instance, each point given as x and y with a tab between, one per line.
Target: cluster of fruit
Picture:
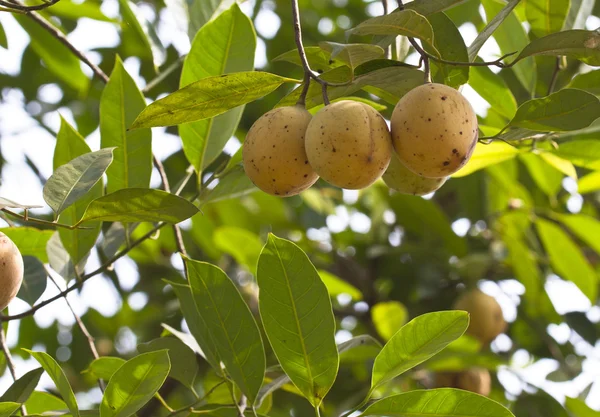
486	323
348	144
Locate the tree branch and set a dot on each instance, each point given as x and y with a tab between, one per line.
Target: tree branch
21	8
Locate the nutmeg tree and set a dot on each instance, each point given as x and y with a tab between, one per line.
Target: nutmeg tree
334	208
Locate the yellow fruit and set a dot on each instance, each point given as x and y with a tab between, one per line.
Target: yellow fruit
403	180
434	130
274	155
487	321
477	380
348	144
11	270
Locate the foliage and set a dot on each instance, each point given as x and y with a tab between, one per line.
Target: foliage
331	301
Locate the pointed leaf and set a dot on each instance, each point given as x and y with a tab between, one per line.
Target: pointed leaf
589	81
585	227
427	7
3	40
144	32
416	342
134	384
491	27
232	184
8	408
353	54
451	47
209	97
546	16
243	245
40	401
60	379
60	261
567	109
201	12
296	312
444	402
547	178
35	279
139	205
336	286
589	183
584	153
388	318
120	104
75	179
583	45
22	388
105	367
566	258
231	325
230	41
184	367
78	242
404	23
6	203
494	90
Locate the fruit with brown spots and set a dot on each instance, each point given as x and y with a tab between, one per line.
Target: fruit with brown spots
403	180
477	380
11	270
348	144
486	318
274	155
434	130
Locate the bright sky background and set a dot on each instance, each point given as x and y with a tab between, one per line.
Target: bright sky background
21	136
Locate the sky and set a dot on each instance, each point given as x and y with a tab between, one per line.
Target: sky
21	136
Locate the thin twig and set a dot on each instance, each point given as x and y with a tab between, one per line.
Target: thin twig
176	229
25	217
9	361
21	8
63	39
388	50
306	84
189	408
82	327
164	74
554	76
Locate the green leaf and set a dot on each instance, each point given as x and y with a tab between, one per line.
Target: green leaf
546	16
567	109
511	37
243	245
197	325
352	54
60	379
589	81
74	180
8	408
104	367
578	14
562	165
428	7
491	27
22	388
39	402
526	270
230	324
78	242
6	203
579	408
404	23
443	402
494	90
3	40
583	45
201	12
319	59
120	104
230	41
589	183
584	153
29	240
232	184
140	205
416	342
74	11
296	312
134	384
547	178
209	97
35	279
184	367
584	227
56	56
144	32
451	47
336	286
388	317
60	261
566	258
